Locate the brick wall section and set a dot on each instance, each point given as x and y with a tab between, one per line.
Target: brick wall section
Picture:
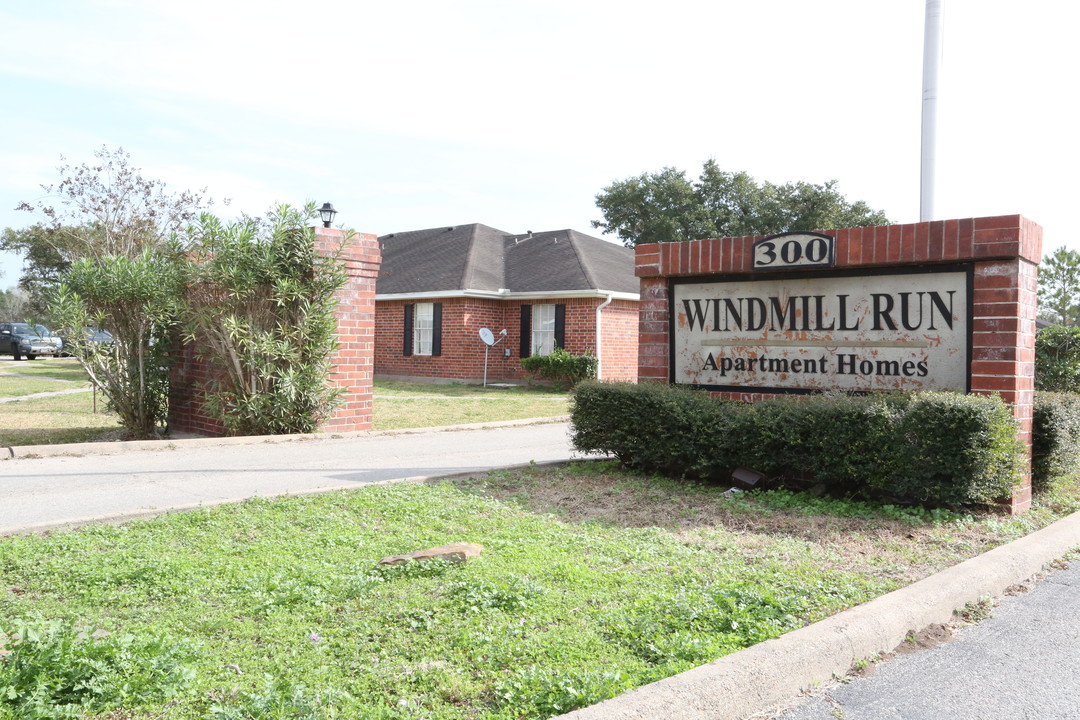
187	376
353	362
462	358
1005	251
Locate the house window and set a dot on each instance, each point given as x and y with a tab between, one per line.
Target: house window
543	329
422	328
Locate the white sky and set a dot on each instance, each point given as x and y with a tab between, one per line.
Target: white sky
409	115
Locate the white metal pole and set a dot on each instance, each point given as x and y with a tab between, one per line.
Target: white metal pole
599	333
932	43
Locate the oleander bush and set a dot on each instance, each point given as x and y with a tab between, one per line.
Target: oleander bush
259	307
927	447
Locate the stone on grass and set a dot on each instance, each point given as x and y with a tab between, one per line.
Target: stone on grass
454	552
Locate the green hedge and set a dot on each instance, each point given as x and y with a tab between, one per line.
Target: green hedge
935	448
1055	443
561	368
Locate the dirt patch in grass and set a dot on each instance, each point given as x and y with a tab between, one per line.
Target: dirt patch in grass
851	536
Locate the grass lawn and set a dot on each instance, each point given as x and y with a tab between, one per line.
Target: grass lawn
59	368
58	419
593	581
17	386
404	405
26	378
398	405
389	388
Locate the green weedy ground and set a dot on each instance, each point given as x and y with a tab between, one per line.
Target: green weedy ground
275	608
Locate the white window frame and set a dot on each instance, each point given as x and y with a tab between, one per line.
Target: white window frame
423	328
543	329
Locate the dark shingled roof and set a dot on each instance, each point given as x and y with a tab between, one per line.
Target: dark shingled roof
478	257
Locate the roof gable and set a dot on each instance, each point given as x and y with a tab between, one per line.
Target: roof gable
480	258
441	259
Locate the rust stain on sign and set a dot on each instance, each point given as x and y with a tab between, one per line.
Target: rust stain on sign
886	331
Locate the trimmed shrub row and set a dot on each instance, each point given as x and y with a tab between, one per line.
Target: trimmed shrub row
928	447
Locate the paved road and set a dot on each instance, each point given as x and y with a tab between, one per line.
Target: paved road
53	490
1023	663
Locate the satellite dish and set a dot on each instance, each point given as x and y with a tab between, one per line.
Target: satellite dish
486	336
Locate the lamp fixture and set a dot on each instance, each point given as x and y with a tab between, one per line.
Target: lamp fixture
326	214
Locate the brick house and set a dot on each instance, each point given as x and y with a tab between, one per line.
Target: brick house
438	287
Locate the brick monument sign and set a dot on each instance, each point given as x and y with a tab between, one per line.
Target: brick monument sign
944	305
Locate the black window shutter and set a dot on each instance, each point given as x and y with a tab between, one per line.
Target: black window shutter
407	351
436	329
526	331
560	326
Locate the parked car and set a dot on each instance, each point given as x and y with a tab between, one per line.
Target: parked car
33	341
92	336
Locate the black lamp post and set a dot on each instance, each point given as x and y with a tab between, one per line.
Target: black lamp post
327	213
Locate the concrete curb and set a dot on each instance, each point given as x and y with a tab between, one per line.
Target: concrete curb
760	677
124	446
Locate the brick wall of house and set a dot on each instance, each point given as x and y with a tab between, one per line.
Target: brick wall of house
619	328
1005	251
462	358
353	362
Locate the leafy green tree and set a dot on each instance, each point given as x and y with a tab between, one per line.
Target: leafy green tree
1059	287
259	306
138	301
653	207
43	265
14	305
668	207
109	208
1057	359
101	253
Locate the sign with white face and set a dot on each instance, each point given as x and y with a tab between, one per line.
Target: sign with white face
886	331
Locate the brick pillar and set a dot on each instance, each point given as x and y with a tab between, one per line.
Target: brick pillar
1003	332
354	361
653	331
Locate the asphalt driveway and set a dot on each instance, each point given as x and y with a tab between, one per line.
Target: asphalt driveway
41	492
